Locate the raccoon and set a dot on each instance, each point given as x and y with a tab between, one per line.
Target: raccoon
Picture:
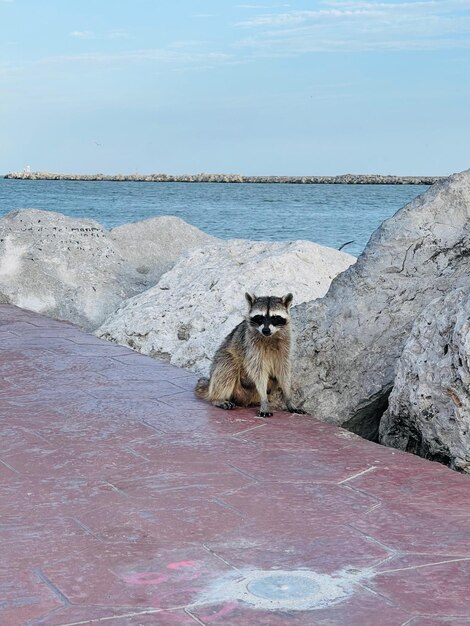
254	359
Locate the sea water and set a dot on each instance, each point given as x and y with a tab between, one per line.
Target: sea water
327	214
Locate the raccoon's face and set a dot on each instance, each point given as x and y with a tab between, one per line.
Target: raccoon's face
268	314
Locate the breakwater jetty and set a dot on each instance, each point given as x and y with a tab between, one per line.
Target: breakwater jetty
342	179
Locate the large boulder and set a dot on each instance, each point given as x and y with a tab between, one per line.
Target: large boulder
350	341
65	268
153	246
186	315
429	407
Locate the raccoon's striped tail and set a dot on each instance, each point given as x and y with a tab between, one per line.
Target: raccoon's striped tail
202	388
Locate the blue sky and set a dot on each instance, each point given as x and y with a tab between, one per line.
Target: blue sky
187	86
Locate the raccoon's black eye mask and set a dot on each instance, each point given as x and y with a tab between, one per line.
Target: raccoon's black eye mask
274	320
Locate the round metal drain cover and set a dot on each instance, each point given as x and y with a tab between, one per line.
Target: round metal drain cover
281	590
285	586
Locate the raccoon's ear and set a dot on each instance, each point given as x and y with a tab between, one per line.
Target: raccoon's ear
287	300
250	298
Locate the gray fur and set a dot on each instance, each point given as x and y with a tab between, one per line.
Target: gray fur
254	359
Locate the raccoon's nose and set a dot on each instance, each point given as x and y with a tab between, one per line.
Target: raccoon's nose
266	331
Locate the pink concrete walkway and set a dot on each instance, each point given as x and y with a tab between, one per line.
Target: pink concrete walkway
126	501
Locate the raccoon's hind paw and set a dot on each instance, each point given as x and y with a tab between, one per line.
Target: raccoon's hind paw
294	409
227	405
264	414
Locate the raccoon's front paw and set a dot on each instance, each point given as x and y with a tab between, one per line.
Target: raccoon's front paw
227	405
264	414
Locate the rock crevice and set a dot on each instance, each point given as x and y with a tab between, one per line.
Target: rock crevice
350	340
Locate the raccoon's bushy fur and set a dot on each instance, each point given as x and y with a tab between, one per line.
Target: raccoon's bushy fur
254	359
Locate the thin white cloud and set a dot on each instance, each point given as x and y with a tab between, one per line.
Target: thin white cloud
262	6
360	25
82	34
116	33
441	5
302	17
169	56
6	68
186	44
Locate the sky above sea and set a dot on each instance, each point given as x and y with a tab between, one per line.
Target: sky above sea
267	88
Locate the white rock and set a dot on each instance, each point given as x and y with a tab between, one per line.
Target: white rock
197	303
350	341
429	407
153	246
66	268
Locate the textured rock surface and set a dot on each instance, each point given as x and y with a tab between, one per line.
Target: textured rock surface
66	268
429	409
153	246
188	313
344	179
349	341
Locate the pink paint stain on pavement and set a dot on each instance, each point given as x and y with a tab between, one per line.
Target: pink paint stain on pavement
146	578
180	572
181	565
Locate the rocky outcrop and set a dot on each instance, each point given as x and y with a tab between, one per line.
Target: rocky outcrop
65	268
429	407
75	270
342	179
186	315
350	341
152	246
